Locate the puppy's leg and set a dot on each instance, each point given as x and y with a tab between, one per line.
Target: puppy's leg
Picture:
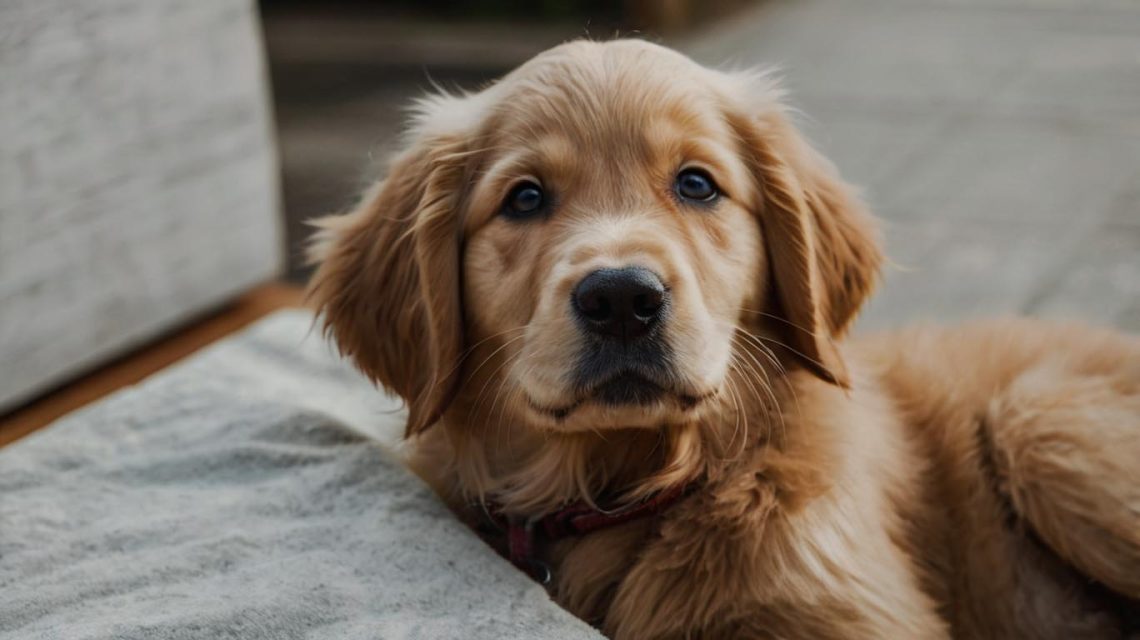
1066	448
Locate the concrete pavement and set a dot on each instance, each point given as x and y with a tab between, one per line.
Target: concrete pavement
999	141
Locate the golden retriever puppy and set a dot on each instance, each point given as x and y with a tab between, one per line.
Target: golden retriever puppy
613	289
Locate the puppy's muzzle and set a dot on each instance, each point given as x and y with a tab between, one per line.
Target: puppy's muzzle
623	305
626	359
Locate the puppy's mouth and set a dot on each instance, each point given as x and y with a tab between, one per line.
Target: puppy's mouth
625	389
628	388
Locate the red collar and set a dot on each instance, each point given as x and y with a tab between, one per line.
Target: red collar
576	519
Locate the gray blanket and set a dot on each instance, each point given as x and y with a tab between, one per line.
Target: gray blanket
249	492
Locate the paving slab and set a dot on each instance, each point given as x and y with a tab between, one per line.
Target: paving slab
999	141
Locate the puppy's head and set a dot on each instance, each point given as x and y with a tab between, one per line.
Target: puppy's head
593	242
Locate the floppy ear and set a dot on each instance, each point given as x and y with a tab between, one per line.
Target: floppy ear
388	283
822	244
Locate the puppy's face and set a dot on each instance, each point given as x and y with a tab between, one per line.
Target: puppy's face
594	242
611	245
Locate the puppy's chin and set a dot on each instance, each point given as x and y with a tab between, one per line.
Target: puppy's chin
635	408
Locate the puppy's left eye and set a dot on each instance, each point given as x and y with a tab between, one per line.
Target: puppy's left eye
524	201
696	185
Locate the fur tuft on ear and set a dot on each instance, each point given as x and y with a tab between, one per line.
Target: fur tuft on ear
822	243
388	281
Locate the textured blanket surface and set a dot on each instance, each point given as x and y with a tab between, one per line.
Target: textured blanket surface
249	492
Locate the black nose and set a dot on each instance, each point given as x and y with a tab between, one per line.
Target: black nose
620	303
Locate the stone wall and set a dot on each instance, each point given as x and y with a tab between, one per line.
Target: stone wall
138	184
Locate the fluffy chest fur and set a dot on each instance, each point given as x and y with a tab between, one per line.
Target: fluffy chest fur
806	531
883	511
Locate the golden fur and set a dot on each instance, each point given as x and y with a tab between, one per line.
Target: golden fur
976	482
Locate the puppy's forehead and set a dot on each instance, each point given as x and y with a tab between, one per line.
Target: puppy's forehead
593	92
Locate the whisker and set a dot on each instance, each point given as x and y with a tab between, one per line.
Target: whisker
769	387
479	399
747	431
752	384
499	368
769	355
759	367
501	423
783	320
741	333
770	392
737	409
513	398
814	334
520	391
743	412
468	350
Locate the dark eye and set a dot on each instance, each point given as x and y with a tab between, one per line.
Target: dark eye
696	185
524	200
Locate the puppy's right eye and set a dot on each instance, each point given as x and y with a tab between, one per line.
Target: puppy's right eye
694	185
524	201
